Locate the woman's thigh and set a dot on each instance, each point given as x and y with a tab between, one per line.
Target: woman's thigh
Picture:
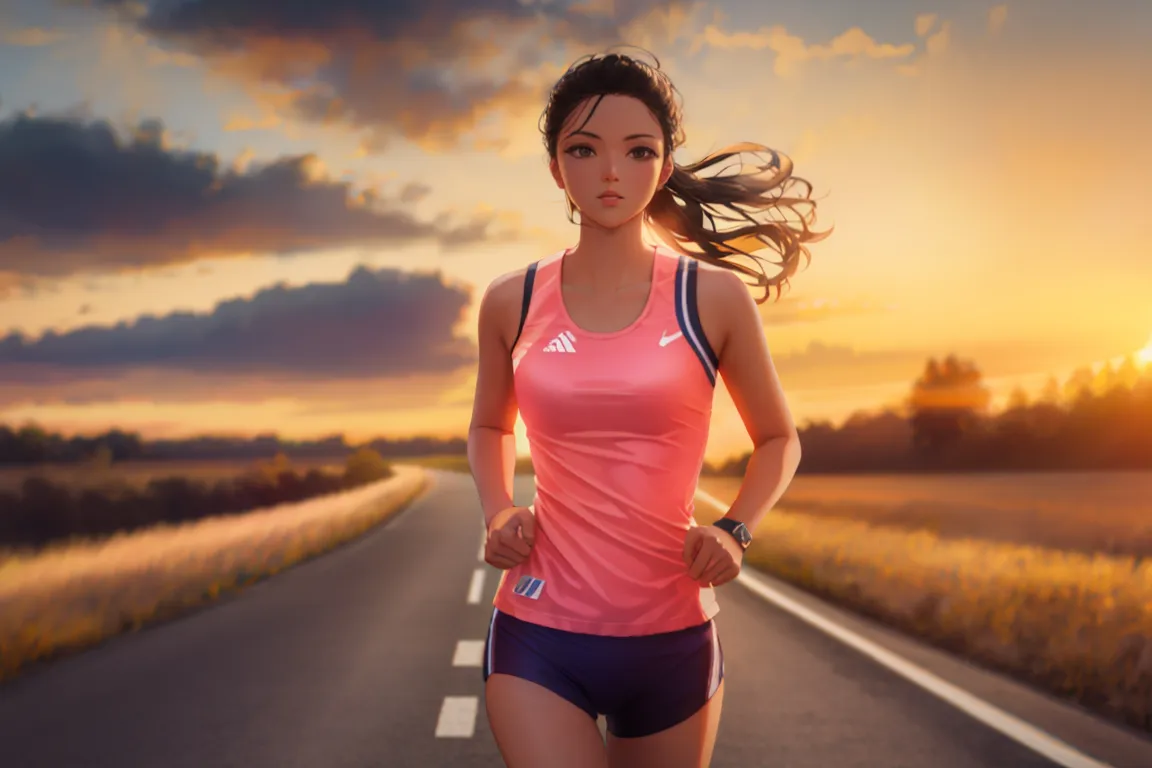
535	727
688	744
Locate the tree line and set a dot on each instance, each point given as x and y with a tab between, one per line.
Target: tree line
31	444
43	511
1092	421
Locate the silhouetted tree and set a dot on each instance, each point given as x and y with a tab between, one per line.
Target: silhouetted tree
944	403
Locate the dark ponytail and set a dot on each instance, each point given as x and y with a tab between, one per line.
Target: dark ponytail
689	211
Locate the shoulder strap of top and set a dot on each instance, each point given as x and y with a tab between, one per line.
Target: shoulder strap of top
529	280
688	316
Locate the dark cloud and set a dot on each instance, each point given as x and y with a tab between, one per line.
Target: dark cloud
414	193
374	325
77	197
430	72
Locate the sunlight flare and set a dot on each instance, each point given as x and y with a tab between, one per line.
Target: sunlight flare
1145	355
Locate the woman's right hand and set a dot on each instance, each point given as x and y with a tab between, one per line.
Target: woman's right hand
511	535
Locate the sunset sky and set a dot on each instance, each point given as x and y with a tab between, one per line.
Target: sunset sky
232	216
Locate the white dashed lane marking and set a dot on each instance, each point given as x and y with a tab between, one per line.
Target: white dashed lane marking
469	653
476	588
457	717
458	713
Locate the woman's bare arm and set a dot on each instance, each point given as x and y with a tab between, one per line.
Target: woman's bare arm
750	377
491	441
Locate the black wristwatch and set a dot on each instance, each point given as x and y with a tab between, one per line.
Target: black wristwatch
738	530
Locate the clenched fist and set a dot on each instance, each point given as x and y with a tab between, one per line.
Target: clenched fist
712	556
511	536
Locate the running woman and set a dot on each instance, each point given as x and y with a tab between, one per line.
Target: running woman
610	351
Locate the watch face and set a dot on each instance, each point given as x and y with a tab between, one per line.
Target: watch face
739	531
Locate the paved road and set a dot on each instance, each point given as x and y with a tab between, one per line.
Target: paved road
351	660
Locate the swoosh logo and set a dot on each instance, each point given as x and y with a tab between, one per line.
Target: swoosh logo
666	340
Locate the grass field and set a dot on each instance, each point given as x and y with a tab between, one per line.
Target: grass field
72	597
1005	570
1109	512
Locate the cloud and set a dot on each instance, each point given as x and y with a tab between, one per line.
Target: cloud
790	310
77	198
821	365
791	50
414	192
939	42
30	37
997	15
924	23
430	73
375	325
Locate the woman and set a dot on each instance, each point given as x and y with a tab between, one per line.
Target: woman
610	351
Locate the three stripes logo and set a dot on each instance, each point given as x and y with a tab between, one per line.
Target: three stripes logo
562	343
529	586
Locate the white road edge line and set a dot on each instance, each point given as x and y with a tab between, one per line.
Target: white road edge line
457	717
476	588
1009	725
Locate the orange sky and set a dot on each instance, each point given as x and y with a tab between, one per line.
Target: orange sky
984	169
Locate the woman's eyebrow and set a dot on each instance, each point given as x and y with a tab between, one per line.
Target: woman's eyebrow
626	138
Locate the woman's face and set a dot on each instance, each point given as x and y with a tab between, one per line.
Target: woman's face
619	150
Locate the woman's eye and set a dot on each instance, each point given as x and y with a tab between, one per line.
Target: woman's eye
580	149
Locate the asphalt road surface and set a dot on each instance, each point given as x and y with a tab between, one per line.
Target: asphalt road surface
369	656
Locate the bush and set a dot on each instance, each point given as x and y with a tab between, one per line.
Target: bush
365	466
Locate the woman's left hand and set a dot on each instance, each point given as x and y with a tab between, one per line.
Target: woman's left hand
713	557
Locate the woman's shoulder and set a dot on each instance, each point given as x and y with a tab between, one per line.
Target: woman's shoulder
723	301
503	300
508	285
718	286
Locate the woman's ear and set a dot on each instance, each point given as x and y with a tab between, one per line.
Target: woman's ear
666	171
554	166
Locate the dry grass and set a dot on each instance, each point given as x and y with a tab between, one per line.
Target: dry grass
1108	512
77	595
1077	624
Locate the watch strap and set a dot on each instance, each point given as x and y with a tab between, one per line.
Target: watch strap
731	526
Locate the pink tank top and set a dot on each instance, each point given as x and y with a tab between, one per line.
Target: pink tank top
617	424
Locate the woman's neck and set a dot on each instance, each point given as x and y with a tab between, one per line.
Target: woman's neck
609	259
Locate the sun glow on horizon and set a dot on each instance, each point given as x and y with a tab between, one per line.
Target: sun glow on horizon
1145	355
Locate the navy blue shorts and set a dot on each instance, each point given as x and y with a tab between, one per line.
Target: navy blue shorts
641	684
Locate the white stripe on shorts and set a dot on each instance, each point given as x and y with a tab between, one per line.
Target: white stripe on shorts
717	663
488	660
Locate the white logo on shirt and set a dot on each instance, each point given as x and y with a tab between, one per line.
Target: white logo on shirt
562	343
665	340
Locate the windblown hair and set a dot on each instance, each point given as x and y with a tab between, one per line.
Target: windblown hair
685	211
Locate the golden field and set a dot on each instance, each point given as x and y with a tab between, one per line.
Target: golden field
1108	511
1077	623
74	596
